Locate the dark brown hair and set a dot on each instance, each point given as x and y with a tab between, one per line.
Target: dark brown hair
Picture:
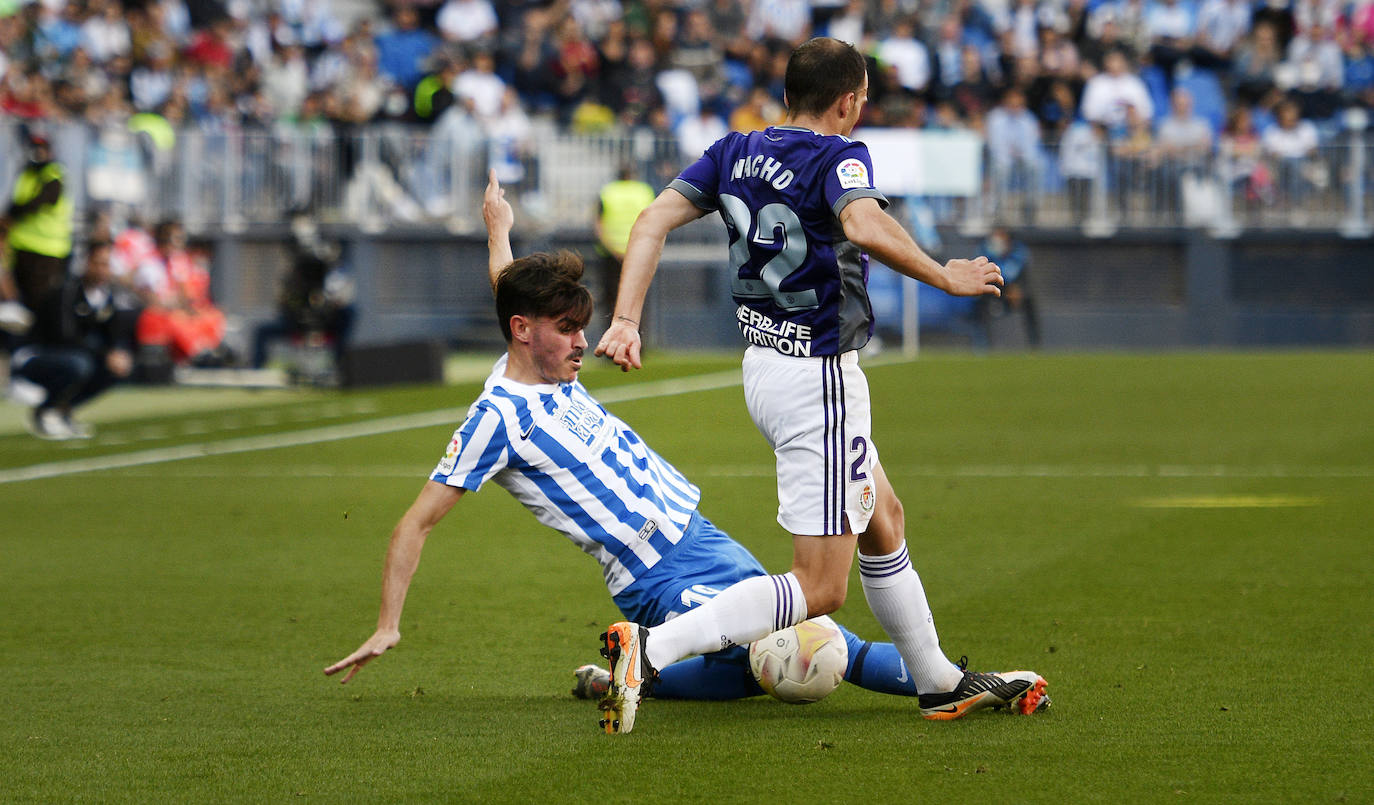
819	71
543	285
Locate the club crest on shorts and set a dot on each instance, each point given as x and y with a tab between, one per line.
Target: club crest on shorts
867	498
853	173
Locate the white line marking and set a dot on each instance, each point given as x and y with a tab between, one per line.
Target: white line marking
333	433
1070	471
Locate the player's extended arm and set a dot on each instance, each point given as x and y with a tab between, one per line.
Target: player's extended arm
500	219
879	234
402	557
621	342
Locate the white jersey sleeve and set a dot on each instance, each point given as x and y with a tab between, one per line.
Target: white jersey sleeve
480	448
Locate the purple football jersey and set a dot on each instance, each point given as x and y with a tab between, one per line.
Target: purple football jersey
801	286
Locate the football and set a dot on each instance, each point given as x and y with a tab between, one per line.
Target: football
801	664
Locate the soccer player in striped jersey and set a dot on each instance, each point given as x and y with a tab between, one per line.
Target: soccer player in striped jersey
537	432
803	213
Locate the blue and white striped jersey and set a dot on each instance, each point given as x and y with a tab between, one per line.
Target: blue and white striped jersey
578	468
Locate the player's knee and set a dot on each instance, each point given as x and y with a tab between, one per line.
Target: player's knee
825	597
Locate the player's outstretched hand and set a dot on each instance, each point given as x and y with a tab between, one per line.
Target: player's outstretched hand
975	277
496	211
375	646
621	345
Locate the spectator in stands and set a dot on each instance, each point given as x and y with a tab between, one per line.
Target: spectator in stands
698	53
631	90
757	113
403	51
1317	56
906	56
1083	164
1256	62
1242	167
788	20
1290	144
1185	143
1359	71
508	140
1013	141
696	133
1133	158
1013	257
286	80
975	91
1109	95
1057	110
105	34
849	25
79	346
1127	19
1222	26
1059	57
947	55
434	94
480	88
468	21
1021	27
1170	25
576	66
597	16
361	88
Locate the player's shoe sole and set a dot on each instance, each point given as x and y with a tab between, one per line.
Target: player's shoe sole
630	675
1021	691
591	682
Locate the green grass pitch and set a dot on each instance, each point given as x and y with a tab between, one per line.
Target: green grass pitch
1182	545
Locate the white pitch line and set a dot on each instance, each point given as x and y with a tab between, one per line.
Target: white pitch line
333	433
1070	471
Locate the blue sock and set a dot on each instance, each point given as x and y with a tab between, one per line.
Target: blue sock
719	675
726	675
876	666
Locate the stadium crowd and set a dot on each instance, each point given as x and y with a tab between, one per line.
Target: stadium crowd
1021	71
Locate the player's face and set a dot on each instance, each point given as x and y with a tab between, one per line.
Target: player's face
556	344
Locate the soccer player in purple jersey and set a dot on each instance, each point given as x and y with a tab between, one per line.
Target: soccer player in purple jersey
803	213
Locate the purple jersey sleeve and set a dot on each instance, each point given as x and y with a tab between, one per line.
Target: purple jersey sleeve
851	178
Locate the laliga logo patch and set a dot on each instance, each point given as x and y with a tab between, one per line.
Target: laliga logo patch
867	498
852	173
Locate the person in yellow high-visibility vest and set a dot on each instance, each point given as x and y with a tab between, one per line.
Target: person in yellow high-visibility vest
620	203
39	224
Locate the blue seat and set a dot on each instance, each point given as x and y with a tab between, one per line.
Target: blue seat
1209	100
1158	85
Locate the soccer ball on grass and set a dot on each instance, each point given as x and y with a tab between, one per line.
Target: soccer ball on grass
800	664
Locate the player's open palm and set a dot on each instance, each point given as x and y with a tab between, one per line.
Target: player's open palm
376	646
621	343
974	277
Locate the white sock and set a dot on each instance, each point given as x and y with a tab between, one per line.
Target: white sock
898	600
742	613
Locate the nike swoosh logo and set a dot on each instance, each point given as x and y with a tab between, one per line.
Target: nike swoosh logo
631	677
528	431
952	709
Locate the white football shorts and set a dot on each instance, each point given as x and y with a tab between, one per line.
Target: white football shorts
815	414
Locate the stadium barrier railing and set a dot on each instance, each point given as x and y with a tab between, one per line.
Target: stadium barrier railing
398	176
